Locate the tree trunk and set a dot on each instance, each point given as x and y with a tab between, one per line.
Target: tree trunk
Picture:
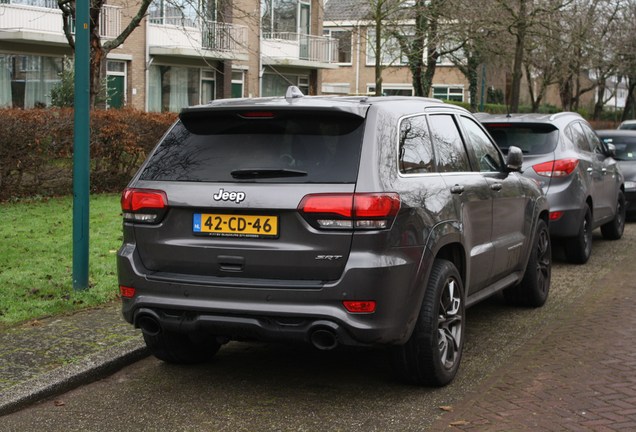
630	103
515	91
598	106
378	54
473	64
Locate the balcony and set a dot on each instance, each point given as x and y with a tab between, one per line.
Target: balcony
185	37
302	50
40	21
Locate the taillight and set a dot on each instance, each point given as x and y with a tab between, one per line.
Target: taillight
126	292
356	306
348	211
557	168
555	215
143	205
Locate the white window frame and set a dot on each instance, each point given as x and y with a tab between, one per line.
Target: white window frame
329	32
448	88
390	43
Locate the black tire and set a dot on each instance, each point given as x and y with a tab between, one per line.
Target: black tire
614	230
533	289
181	348
432	354
578	249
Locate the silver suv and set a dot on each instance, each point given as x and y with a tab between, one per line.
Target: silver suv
329	221
576	171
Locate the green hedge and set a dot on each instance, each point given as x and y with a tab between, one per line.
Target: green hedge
36	149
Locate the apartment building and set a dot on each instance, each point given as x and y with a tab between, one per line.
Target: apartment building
350	22
184	52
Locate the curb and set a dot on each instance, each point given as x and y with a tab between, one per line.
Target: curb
68	377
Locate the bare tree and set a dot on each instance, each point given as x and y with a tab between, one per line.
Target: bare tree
423	48
98	50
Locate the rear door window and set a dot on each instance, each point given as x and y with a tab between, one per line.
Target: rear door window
415	147
487	156
578	137
450	152
270	147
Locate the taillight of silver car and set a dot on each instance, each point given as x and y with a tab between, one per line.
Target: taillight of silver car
143	205
361	211
557	168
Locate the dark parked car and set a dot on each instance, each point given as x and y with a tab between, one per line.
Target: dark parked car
576	170
624	142
369	222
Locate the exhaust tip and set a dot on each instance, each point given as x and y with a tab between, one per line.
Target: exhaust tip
324	339
149	325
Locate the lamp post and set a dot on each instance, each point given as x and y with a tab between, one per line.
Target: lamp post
81	148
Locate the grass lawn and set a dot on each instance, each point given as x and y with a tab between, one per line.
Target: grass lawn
36	261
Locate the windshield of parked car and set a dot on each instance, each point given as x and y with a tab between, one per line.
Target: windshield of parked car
531	139
625	147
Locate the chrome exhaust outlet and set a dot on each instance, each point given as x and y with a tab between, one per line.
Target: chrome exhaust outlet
324	339
149	324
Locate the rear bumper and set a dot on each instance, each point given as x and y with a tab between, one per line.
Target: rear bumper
567	225
262	310
630	197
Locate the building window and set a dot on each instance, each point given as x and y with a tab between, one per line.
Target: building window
208	86
285	16
185	13
172	88
392	90
237	84
49	4
344	44
27	81
453	93
277	84
391	52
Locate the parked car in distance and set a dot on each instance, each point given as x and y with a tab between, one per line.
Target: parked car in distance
628	125
576	170
624	142
330	221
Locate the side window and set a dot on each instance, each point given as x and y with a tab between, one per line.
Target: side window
488	157
597	146
416	150
450	152
575	133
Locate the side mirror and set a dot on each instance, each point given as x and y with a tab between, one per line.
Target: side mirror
514	160
611	150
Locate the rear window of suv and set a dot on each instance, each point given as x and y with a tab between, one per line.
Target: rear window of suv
531	139
260	146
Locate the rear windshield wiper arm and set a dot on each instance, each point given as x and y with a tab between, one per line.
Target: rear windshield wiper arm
244	173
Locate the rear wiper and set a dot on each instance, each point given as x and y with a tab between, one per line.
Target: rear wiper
244	173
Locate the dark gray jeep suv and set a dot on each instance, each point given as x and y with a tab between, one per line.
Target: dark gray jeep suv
348	221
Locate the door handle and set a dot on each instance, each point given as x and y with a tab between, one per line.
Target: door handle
496	186
604	170
457	189
590	170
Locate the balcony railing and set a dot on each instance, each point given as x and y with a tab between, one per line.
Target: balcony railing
300	46
183	32
43	16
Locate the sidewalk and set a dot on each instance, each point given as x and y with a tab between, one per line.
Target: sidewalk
578	376
47	357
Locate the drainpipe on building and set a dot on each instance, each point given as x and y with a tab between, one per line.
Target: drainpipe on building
147	64
358	62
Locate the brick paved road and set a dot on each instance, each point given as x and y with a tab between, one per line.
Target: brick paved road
580	375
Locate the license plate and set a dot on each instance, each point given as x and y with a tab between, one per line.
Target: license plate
229	225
